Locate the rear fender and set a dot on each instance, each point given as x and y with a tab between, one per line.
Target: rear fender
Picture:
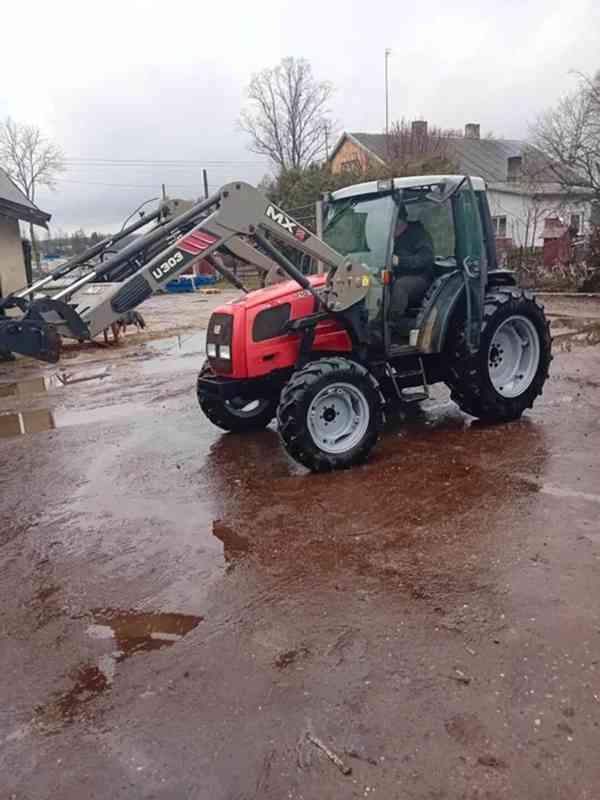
434	320
443	299
501	277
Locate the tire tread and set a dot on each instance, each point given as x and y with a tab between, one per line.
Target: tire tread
292	427
467	376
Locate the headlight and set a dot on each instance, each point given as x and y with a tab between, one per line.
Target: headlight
211	350
225	352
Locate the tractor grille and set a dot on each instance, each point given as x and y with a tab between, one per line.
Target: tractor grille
132	293
219	334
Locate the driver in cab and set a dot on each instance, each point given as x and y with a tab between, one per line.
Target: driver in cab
413	263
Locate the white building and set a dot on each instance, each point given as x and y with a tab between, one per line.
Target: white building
522	187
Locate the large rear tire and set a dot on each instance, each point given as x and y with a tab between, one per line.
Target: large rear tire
504	377
330	414
237	417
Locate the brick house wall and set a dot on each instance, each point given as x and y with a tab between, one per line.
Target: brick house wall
349	156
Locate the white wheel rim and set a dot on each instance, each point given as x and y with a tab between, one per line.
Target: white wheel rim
514	356
251	409
338	418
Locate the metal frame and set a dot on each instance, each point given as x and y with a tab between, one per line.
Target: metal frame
226	219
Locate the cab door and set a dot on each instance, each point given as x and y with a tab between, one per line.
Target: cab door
472	257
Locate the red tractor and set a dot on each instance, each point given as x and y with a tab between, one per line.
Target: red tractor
316	347
318	351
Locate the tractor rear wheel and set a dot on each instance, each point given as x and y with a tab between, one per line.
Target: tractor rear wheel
237	416
503	378
330	414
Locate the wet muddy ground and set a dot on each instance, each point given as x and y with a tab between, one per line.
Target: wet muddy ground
187	614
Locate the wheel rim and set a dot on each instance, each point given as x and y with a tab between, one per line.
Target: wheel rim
514	356
246	410
338	417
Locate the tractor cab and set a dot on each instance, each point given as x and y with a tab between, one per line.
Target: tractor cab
451	212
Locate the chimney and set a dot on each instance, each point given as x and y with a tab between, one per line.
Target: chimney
514	168
419	128
553	228
472	130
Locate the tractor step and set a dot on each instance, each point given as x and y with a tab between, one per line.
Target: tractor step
409	394
396	350
414	395
411	373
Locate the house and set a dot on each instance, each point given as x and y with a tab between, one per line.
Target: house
14	208
522	186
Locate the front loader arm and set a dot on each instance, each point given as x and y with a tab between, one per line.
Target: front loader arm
228	218
239	211
245	210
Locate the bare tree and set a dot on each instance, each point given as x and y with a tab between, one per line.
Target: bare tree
287	119
569	134
416	148
30	160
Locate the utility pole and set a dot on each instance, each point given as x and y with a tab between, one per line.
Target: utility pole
319	226
387	93
205	182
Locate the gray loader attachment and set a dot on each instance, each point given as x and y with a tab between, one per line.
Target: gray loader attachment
238	218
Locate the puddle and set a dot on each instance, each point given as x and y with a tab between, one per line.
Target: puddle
26	388
135	632
182	344
128	632
20	423
24	422
30	387
188	350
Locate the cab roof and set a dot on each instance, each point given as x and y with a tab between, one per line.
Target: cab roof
375	187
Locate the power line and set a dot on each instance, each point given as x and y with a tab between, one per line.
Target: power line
158	162
160	169
135	185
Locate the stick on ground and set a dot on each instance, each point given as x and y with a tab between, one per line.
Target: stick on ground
343	768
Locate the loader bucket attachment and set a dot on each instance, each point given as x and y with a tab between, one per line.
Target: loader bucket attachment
30	337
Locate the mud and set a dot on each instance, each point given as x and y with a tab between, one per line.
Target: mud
180	608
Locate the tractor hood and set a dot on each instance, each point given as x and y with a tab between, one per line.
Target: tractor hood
278	292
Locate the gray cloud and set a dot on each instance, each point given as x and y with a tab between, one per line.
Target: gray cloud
157	82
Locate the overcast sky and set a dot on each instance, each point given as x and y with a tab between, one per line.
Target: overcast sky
165	81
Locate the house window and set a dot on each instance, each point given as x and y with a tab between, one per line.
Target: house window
499	227
576	222
350	166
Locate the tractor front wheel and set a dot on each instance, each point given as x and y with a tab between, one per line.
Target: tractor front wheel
330	414
506	374
236	415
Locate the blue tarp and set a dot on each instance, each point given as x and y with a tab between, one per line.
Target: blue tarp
189	283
